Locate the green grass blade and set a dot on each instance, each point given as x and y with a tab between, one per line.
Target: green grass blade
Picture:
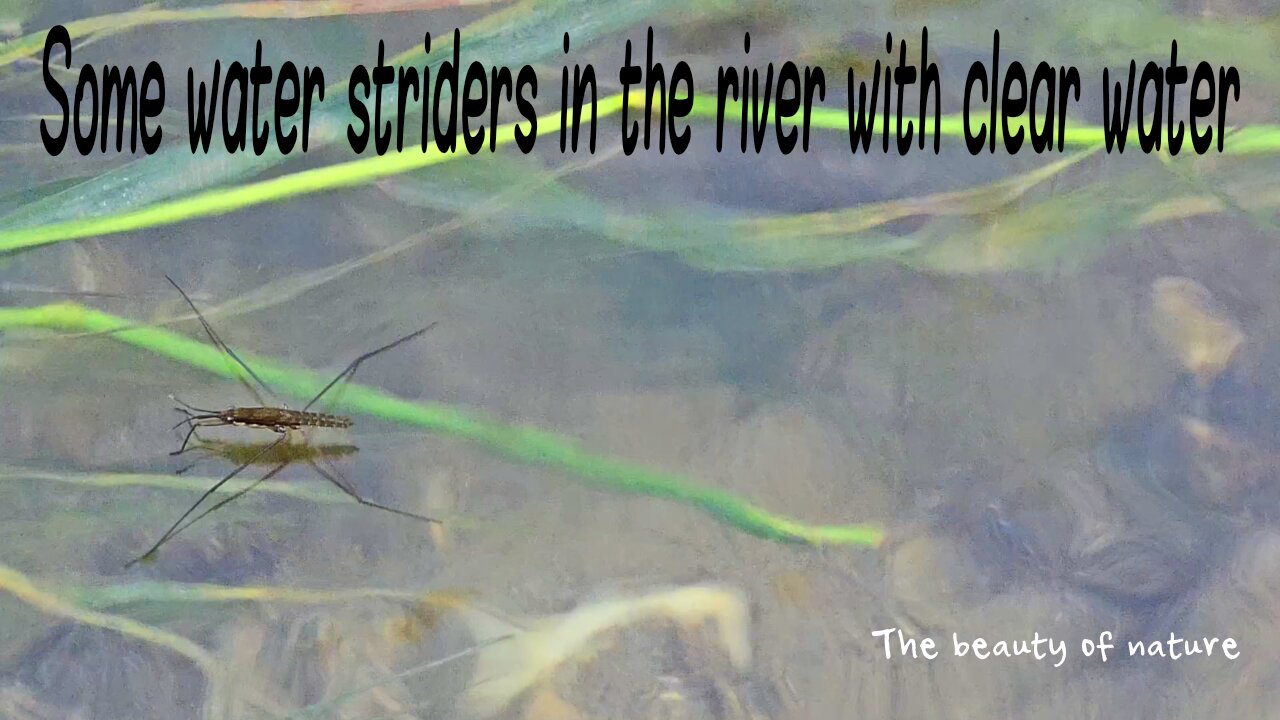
521	443
509	37
217	202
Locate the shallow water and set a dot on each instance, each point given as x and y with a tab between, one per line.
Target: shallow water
1041	458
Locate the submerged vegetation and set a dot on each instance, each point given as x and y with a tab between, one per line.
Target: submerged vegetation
520	443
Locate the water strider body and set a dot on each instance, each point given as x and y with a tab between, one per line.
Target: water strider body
279	419
272	418
276	419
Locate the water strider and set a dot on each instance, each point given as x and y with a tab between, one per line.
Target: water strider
276	418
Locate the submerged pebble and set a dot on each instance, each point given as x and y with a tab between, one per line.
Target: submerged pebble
1135	568
97	673
1194	327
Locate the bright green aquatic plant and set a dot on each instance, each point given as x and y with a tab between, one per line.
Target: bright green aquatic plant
795	242
510	36
524	444
90	28
354	173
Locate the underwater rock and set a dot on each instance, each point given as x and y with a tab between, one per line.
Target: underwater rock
793	462
1158	537
932	578
1242	600
97	673
1196	330
229	554
1231	467
547	705
1011	533
1210	445
1135	568
349	660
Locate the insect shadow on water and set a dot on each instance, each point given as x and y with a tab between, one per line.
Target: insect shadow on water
239	453
278	419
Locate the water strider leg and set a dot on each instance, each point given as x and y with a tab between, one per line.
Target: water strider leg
189	466
206	456
355	364
190	410
168	533
194	425
217	342
230	498
346	488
